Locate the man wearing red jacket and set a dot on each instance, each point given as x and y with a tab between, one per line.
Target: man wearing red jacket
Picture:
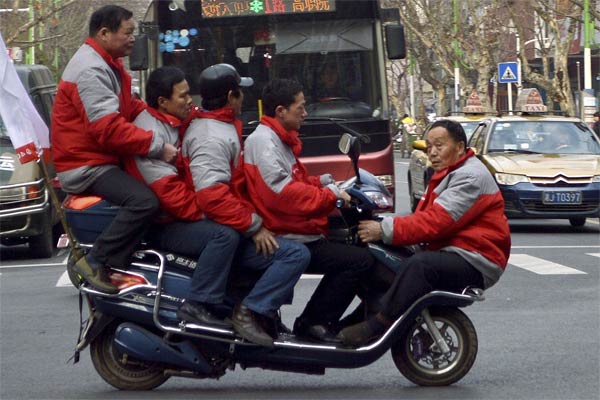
461	222
213	159
296	205
183	229
92	130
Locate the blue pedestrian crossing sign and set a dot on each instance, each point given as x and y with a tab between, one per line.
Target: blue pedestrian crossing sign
508	72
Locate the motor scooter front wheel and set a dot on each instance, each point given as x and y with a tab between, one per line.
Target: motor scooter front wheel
421	361
120	370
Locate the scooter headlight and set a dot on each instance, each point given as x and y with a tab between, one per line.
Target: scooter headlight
382	201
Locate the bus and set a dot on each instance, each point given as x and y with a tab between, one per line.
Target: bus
334	48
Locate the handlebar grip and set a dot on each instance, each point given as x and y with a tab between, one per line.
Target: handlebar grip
339	203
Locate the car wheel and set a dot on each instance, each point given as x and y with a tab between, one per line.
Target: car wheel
577	221
42	245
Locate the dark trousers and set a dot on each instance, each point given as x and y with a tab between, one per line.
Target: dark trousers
138	207
424	272
343	267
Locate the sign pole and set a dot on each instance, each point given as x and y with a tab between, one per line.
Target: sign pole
510	108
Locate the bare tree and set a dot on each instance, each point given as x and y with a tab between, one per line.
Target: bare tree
55	28
483	33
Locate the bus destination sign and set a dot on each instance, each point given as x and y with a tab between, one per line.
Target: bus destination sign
239	8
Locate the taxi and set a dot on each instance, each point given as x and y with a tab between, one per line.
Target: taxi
545	166
419	167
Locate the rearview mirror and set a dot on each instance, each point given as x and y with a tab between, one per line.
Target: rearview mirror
344	143
395	42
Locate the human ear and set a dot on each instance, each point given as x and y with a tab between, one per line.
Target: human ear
103	34
279	110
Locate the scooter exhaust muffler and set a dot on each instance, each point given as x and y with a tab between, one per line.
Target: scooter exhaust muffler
144	345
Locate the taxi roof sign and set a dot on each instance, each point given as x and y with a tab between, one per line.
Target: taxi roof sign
530	100
474	105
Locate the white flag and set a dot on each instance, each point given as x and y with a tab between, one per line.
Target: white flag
27	130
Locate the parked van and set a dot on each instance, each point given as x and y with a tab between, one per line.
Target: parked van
26	212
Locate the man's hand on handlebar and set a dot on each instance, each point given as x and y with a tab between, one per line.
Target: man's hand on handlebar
265	242
370	231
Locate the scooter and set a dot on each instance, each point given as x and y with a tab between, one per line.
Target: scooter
137	342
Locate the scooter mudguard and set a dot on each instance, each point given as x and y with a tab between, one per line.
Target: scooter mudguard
145	345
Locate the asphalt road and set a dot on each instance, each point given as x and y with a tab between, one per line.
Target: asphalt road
538	333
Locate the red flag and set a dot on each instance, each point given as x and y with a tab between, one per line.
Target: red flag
27	130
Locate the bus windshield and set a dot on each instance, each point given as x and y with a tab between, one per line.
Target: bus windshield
332	54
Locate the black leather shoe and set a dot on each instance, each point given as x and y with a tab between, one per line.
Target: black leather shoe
96	276
315	332
192	311
358	335
274	326
246	324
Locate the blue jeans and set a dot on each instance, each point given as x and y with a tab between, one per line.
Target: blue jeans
281	273
214	245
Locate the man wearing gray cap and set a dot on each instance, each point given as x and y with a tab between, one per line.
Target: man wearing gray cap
213	162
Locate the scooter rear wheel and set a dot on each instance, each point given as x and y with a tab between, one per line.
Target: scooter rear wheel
121	371
418	358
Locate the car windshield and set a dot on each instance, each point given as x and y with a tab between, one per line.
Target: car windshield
546	137
469	128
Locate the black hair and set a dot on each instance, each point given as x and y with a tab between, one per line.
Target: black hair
215	103
279	92
597	114
455	129
109	17
161	82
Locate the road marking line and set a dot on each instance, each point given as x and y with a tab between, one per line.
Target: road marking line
31	265
540	266
593	254
64	280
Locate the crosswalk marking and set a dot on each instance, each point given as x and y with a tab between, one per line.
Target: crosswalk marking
540	266
64	280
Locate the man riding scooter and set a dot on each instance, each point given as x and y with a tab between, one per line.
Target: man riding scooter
211	231
213	164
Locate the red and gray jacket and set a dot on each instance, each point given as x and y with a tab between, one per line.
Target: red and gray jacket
291	202
461	212
92	114
176	197
213	165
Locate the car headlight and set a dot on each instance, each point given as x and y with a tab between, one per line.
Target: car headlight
382	201
596	179
510	179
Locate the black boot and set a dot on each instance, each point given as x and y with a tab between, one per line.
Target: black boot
247	325
195	312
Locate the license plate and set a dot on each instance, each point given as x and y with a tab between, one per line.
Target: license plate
562	198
